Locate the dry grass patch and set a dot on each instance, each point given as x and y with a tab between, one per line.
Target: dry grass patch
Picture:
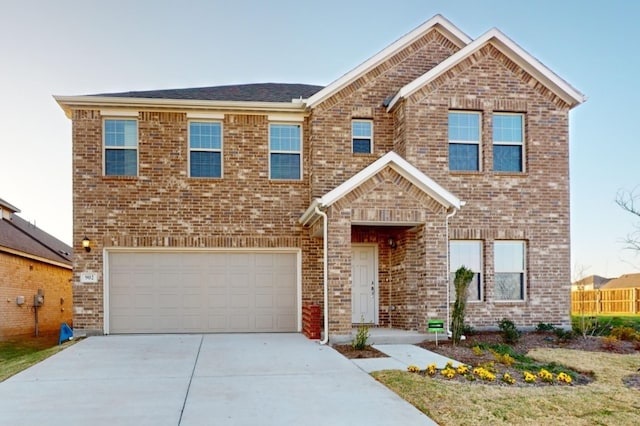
606	401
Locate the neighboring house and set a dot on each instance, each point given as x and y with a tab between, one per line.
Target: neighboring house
624	281
225	209
592	282
32	260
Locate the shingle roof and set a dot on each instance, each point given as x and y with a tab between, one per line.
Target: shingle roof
260	92
20	235
625	281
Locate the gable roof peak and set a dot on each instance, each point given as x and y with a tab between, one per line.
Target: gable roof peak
438	21
511	50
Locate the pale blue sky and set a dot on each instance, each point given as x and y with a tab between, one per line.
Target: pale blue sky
72	47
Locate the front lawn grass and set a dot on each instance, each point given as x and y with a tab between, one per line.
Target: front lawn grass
17	355
605	401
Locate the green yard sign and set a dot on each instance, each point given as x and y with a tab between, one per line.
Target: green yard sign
435	326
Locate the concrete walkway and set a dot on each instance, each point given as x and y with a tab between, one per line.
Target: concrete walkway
221	379
401	356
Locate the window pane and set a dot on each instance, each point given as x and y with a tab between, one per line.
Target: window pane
361	129
463	156
205	135
464	126
205	164
507	128
509	286
469	255
121	133
121	162
509	256
362	146
285	166
507	158
473	292
284	137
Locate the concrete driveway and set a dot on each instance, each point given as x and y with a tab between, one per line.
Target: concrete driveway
216	379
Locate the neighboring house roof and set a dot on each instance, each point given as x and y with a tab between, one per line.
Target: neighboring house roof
259	92
625	281
400	165
439	22
7	206
22	238
596	280
514	52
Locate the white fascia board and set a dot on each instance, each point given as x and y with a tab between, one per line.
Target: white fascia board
405	169
438	21
69	102
509	48
285	117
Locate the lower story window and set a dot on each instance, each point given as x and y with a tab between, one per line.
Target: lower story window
469	255
509	269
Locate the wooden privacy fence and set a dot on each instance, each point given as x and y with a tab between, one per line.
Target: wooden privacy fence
614	301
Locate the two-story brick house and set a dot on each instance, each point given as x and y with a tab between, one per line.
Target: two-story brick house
230	208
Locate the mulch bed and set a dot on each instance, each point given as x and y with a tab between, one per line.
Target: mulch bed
527	342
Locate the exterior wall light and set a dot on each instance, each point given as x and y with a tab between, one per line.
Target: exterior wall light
392	243
86	244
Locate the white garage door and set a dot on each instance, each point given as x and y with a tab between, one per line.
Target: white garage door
161	292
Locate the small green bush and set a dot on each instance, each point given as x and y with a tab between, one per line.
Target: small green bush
359	342
545	327
510	334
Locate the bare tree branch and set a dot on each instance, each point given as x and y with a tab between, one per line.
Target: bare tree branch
630	202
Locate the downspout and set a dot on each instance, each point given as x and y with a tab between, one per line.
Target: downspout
325	282
449	216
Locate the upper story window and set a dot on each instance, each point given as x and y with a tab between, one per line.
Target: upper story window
120	147
285	151
509	270
205	149
362	136
508	141
464	141
469	255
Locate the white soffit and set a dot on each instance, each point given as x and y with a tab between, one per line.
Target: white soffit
438	21
510	49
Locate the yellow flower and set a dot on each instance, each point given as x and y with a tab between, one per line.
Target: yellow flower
564	377
529	377
431	369
413	369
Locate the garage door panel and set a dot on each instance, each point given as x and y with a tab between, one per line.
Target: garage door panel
202	292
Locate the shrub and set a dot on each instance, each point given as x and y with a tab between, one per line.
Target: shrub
510	334
477	350
360	341
461	282
545	327
624	333
563	335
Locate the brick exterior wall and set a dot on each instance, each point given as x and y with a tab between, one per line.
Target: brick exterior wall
22	276
163	207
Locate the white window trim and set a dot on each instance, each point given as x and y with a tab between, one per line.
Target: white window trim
105	147
480	272
512	143
370	138
467	142
273	151
189	149
523	272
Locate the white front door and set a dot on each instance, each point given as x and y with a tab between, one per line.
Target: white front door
364	289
